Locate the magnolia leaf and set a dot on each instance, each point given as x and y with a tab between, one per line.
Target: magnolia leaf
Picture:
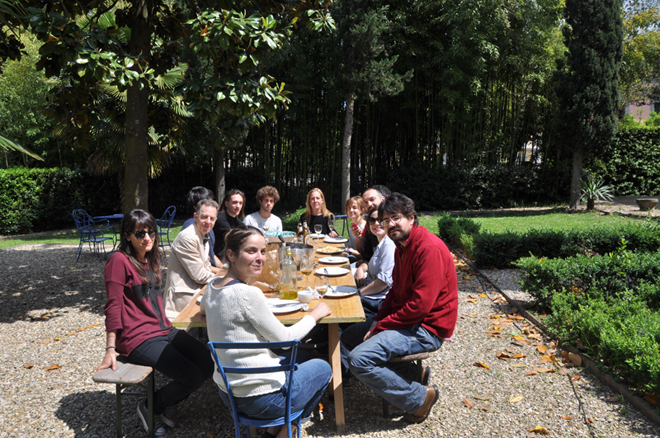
473	296
531	372
590	420
482	365
564	417
495	316
575	358
516	399
52	367
519	356
576	377
468	403
482	398
546	370
28	366
503	356
510	350
483	295
518	365
539	430
470	301
541	348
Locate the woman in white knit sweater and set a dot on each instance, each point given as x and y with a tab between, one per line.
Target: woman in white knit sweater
239	313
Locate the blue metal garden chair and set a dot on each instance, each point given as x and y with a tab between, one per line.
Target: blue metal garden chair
92	233
164	224
288	368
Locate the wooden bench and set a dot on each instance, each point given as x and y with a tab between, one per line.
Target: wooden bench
417	358
128	374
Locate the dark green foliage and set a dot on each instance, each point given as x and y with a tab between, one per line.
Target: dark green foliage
496	186
594	277
621	333
43	199
589	90
453	229
631	165
500	250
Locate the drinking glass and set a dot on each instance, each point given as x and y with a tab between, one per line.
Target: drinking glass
306	267
266	227
318	228
331	221
321	284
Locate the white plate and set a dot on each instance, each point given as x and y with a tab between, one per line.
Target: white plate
335	240
337	251
278	306
332	271
340	292
334	260
317	236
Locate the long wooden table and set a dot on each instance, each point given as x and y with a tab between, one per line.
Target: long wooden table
347	309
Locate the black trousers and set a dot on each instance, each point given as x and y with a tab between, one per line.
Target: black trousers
180	357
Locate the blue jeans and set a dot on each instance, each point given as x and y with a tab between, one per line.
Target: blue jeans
310	379
394	382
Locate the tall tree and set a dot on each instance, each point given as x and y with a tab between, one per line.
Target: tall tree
588	82
366	66
148	40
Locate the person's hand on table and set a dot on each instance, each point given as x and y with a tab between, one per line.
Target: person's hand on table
370	333
320	311
333	233
360	275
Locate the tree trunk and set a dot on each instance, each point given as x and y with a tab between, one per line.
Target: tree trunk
576	180
136	168
220	184
346	149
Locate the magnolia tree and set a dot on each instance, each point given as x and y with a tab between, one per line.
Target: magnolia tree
125	48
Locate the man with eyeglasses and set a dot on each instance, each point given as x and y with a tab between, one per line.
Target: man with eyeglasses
418	314
189	267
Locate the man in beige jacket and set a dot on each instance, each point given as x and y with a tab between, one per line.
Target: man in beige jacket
189	267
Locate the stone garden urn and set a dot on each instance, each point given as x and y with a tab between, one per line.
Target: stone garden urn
646	204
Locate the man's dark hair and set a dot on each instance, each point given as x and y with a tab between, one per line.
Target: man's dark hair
195	195
397	203
382	190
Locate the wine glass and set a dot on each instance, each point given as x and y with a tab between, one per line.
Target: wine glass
318	228
306	267
266	227
331	222
321	285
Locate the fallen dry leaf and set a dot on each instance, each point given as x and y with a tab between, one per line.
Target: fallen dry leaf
516	399
45	342
518	343
564	417
59	339
495	316
510	350
518	365
576	377
482	365
541	361
541	348
472	315
483	295
534	336
28	366
523	340
563	371
468	403
531	372
493	331
590	420
546	370
539	430
466	277
470	301
485	408
482	398
575	358
52	367
519	356
503	356
474	297
651	398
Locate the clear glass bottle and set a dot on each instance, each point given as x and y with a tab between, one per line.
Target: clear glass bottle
305	232
289	283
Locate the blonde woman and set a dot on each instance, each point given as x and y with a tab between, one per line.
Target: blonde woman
355	209
317	213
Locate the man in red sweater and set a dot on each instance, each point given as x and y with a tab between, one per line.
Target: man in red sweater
419	313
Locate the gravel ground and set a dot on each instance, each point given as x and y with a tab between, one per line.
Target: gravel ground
51	313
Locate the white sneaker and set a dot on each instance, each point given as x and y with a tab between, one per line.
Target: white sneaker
143	413
167	421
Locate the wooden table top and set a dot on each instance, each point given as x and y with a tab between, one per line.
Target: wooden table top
346	309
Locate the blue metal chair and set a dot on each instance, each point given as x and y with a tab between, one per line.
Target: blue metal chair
92	234
288	368
164	224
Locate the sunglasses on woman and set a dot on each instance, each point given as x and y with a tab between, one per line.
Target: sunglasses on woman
139	234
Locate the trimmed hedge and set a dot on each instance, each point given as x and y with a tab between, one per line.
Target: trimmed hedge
502	249
43	199
622	334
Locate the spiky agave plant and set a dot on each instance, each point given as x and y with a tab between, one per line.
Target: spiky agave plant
594	190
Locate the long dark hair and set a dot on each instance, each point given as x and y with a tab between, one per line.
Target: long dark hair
236	237
141	219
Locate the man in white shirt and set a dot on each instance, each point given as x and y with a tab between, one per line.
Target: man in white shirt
264	219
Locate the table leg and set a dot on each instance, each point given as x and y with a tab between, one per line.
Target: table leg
336	384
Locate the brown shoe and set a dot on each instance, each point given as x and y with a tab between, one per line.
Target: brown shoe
422	413
425	377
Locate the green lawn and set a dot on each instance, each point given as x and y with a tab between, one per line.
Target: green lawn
72	239
551	220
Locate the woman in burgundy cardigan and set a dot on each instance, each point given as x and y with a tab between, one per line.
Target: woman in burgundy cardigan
136	325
